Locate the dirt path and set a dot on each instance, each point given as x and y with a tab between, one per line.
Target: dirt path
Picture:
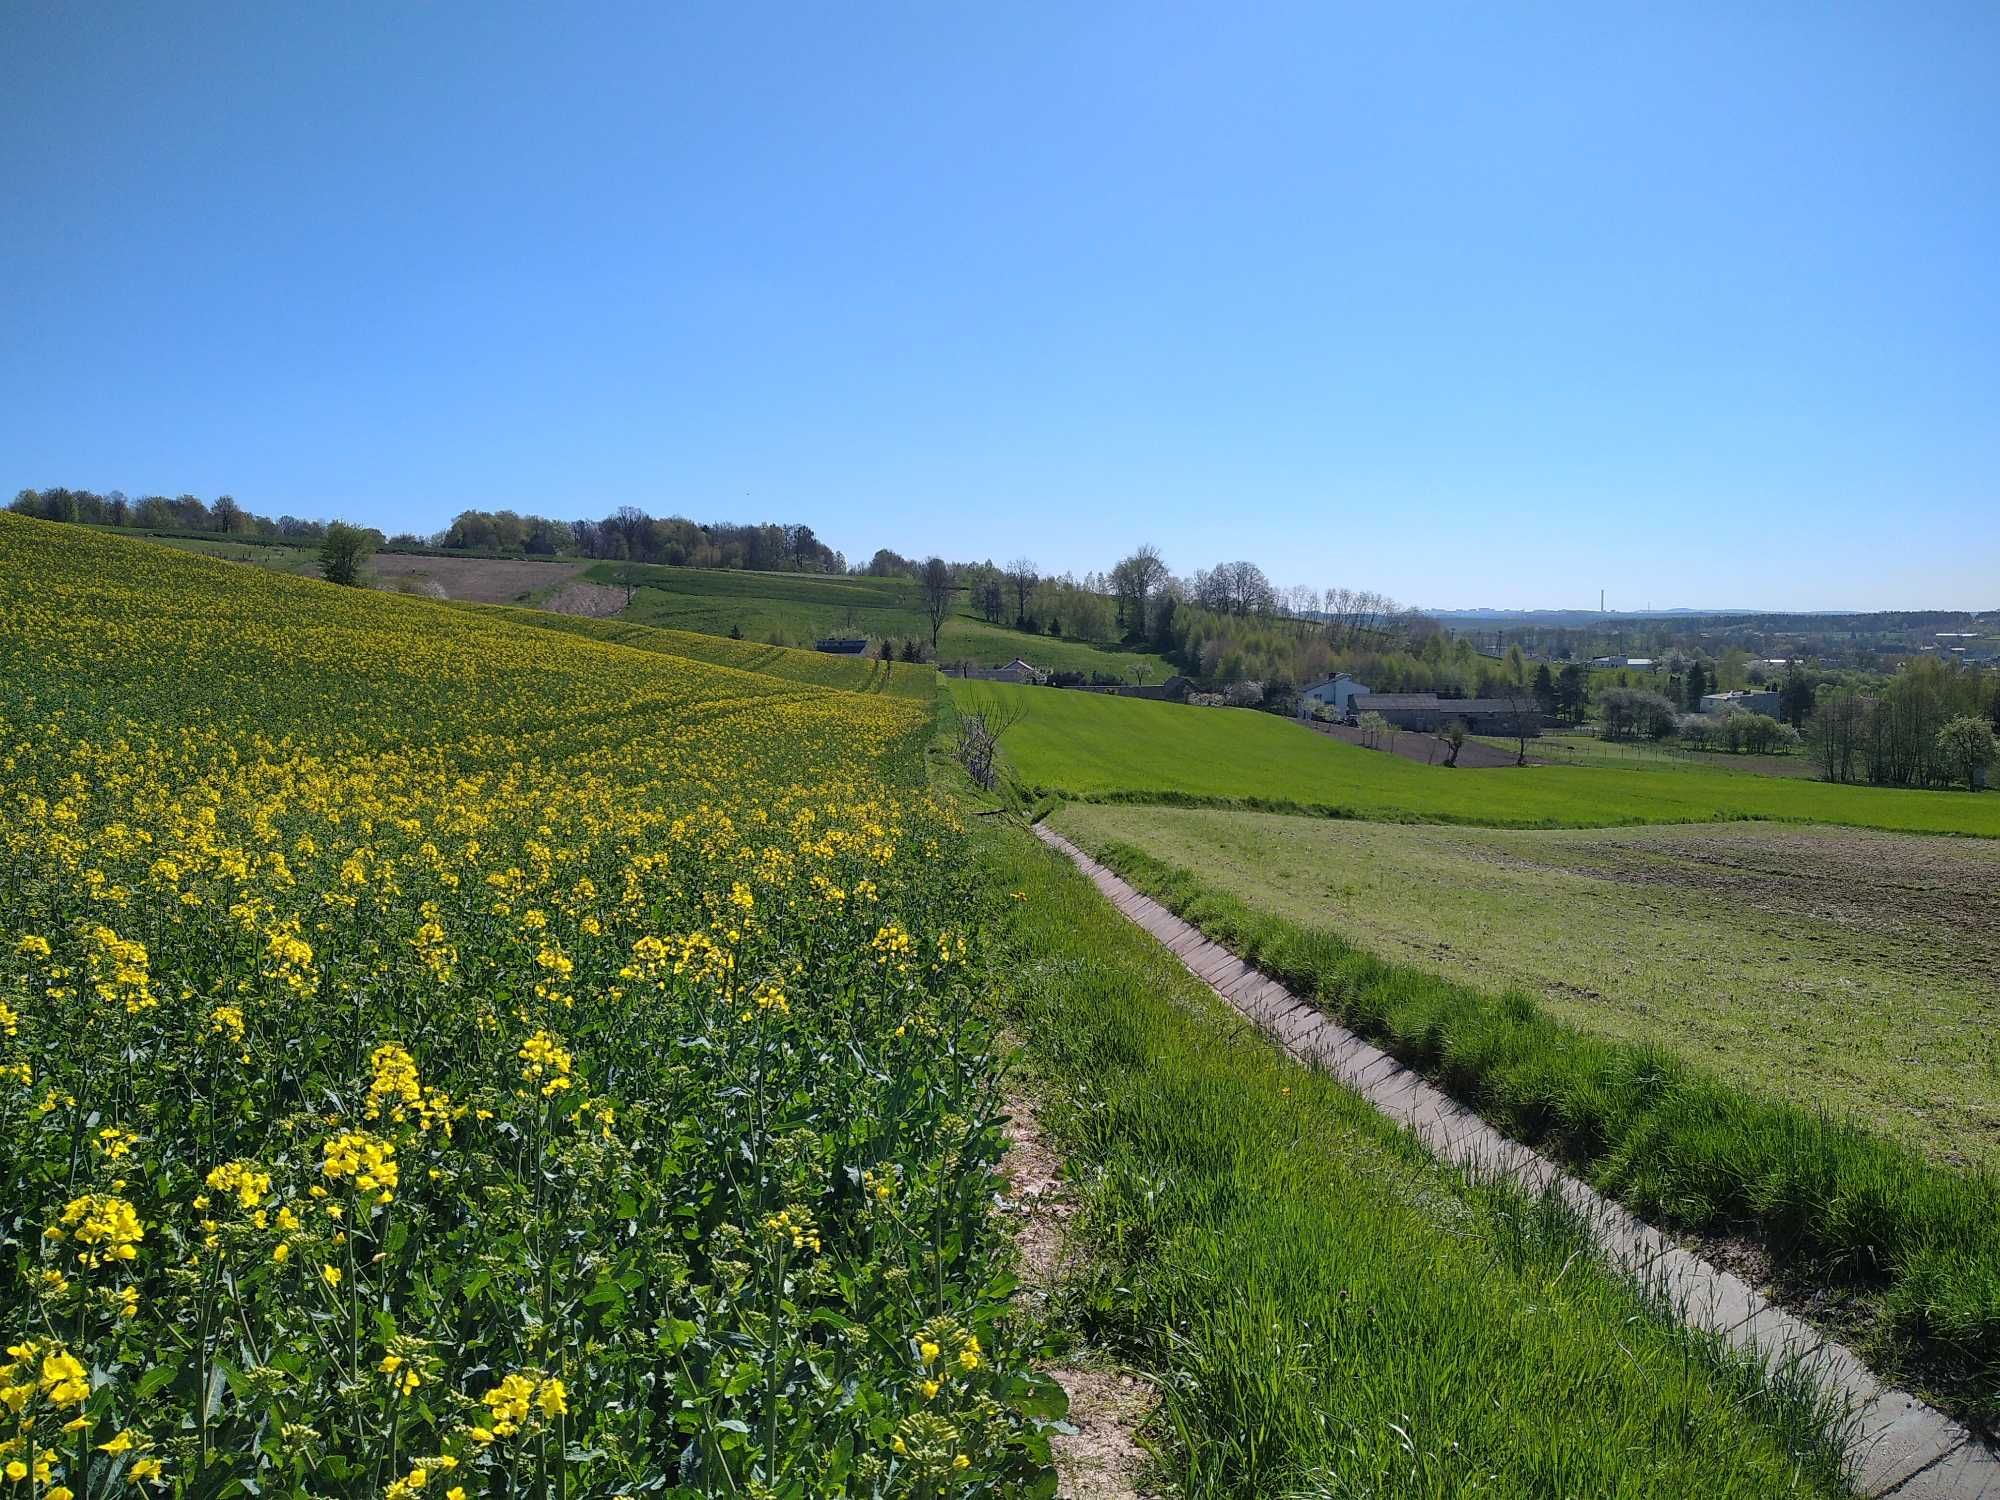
1102	1460
1898	1446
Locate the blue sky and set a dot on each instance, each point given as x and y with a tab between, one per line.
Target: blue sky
1477	305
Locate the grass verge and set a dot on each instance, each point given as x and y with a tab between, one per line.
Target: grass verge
1913	1248
1330	1311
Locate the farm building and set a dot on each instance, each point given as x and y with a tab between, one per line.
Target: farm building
1740	702
1173	690
1016	670
1429	712
843	645
1334	694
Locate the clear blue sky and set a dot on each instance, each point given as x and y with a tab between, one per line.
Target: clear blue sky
1477	305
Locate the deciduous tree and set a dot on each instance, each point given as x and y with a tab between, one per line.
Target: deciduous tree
937	585
342	552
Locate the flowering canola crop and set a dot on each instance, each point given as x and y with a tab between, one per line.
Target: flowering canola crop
440	1055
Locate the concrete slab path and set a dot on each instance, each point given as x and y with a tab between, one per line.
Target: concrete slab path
1901	1446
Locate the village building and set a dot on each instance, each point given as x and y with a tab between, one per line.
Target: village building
1740	702
1335	695
1016	670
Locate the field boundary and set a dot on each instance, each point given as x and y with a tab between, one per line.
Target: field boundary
1899	1446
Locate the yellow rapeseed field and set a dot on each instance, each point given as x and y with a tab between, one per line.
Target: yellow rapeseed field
437	1054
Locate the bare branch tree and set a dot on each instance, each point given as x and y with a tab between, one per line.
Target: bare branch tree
981	723
1022	578
937	586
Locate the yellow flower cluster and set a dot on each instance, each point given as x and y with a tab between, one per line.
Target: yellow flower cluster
546	1062
368	1161
42	1369
419	1478
106	1227
511	1404
395	1091
244	1179
893	945
792	1228
119	970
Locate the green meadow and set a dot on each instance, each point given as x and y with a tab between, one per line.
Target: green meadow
1590	750
1098	747
1822	965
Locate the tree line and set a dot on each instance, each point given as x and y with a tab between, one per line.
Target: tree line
221	516
627	534
1930	724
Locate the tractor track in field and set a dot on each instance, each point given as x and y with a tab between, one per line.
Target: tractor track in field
1899	1446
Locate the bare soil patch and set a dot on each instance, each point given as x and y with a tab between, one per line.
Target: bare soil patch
1102	1459
1036	1195
476	580
1940	897
595	601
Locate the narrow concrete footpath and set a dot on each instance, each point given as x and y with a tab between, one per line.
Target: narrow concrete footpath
1901	1446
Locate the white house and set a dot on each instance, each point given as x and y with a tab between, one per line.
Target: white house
1336	694
1741	702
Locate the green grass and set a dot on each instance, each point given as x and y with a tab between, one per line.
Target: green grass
1913	1248
849	673
1330	1311
1850	967
1589	750
799	608
1105	748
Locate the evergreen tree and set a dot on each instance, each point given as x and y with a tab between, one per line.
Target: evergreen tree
1573	692
1697	686
1545	690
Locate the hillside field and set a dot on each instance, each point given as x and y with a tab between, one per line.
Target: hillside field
1096	746
1825	966
854	674
440	1055
796	609
477	580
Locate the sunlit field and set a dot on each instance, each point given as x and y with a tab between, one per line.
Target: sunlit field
1105	748
440	1056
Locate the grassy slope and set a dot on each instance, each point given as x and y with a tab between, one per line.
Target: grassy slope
1910	1249
1333	1312
1844	967
1098	746
849	673
799	608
